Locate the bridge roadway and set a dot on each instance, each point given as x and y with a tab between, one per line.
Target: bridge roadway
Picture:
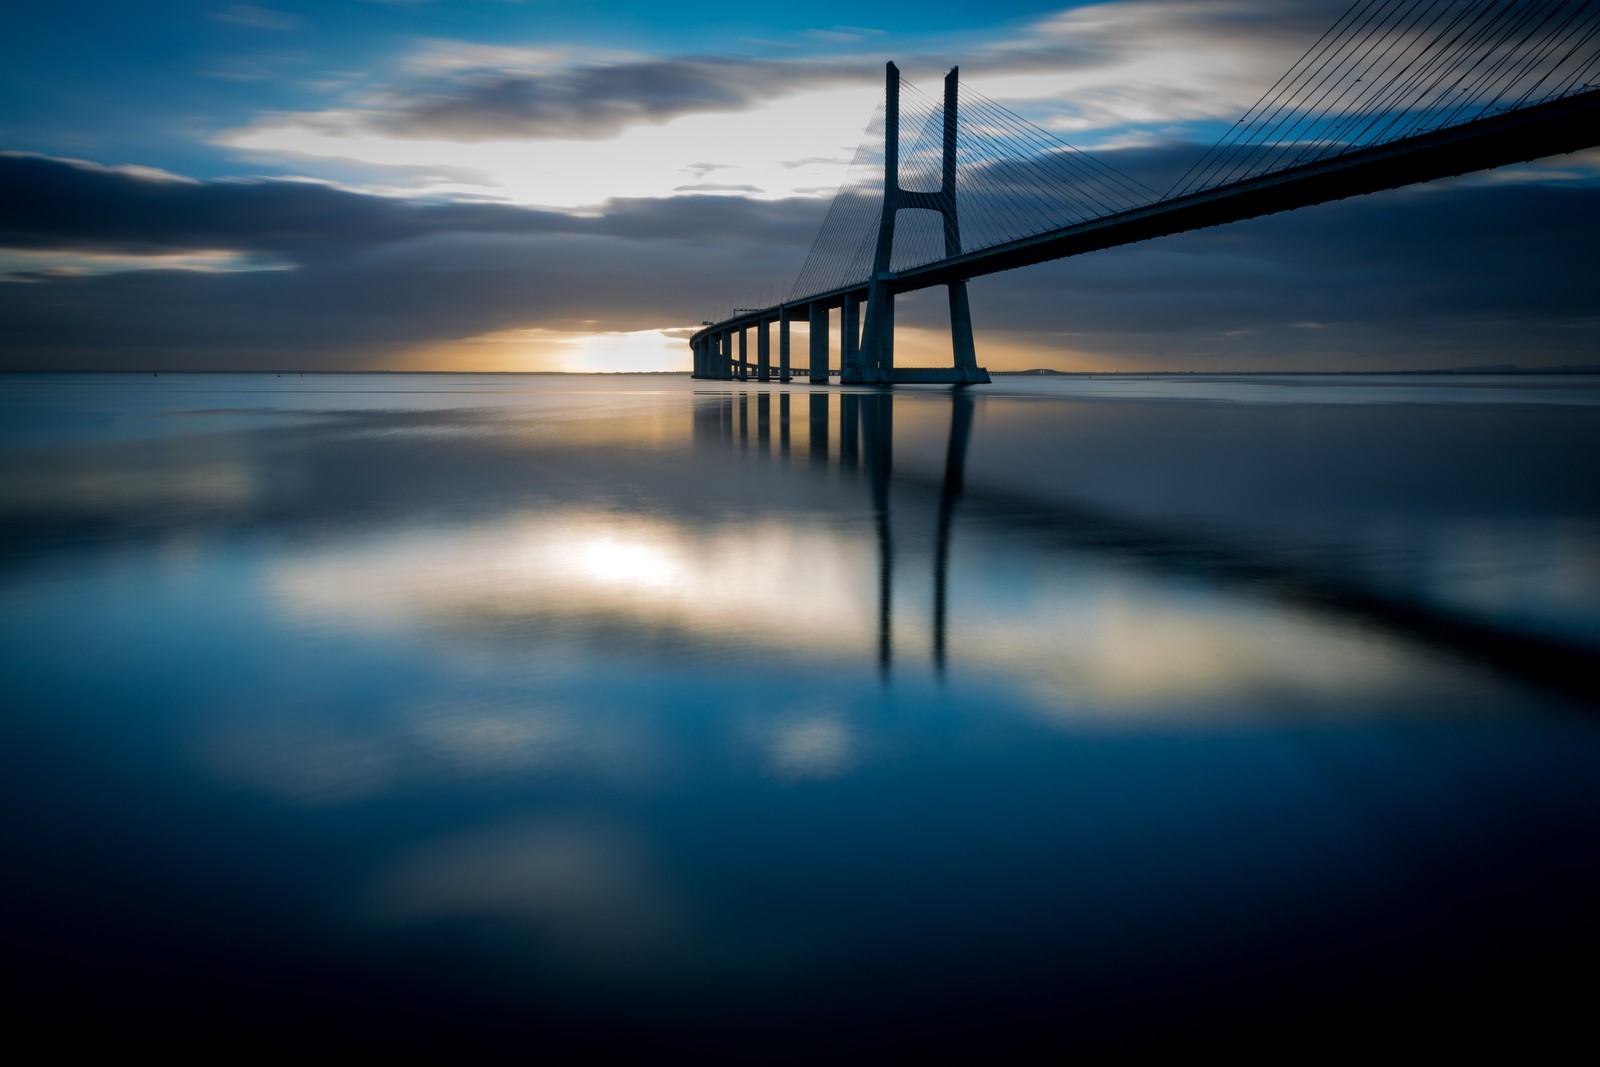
1558	126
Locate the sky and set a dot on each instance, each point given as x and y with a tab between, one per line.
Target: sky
501	186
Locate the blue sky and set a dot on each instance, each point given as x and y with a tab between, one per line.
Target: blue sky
488	184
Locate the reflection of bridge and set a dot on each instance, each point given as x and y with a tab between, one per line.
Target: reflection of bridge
1395	93
854	434
865	426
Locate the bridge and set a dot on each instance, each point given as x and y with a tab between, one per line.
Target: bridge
1395	93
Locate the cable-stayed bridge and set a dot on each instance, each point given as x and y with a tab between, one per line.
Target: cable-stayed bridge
1395	92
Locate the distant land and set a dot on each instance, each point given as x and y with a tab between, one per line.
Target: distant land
1489	368
1041	372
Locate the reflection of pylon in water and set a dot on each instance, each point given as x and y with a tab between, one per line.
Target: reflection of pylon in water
955	467
866	448
877	424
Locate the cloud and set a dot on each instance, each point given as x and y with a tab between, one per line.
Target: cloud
69	206
258	18
551	124
714	187
593	102
1440	275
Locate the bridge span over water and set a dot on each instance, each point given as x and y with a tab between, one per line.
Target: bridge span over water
1395	93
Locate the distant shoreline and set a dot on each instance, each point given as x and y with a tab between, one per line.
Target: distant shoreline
1503	370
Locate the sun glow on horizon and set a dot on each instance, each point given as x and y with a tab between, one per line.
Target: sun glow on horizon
541	349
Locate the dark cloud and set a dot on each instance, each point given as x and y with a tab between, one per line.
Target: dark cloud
598	102
57	205
375	274
1449	274
714	187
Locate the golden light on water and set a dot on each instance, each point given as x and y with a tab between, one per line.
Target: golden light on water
1089	644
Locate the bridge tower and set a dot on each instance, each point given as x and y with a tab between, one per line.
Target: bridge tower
874	361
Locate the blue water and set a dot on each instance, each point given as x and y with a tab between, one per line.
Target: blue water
637	715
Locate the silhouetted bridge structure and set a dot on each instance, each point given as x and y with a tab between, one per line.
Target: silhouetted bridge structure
1395	93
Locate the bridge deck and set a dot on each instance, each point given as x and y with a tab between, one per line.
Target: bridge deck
1552	128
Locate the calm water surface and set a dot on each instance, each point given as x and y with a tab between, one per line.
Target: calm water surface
532	713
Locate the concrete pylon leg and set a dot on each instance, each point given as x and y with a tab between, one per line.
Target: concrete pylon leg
966	355
783	345
877	338
763	352
725	360
819	344
744	355
850	338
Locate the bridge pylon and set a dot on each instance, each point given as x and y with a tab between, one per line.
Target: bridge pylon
874	360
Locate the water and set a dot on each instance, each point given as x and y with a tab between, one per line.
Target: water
630	714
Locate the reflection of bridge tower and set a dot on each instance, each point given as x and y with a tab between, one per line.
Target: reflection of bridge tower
865	436
873	361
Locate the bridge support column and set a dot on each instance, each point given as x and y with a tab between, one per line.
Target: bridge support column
876	361
783	344
877	342
850	338
725	357
763	352
819	344
744	355
966	355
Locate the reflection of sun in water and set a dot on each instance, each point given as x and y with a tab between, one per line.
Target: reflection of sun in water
616	560
815	746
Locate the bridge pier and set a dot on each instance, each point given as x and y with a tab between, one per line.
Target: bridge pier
783	343
850	337
763	352
819	343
